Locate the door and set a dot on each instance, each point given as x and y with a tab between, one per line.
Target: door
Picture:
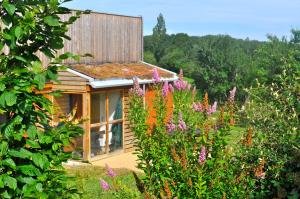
106	123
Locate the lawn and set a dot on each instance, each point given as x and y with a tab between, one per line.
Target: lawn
87	180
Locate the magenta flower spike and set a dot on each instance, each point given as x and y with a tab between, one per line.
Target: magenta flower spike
181	123
105	186
202	156
171	88
165	89
110	172
136	90
156	77
170	126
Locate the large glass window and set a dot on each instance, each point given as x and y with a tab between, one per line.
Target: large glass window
106	123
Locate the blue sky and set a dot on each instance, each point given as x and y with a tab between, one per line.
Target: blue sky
238	18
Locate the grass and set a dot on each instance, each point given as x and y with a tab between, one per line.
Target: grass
87	177
87	181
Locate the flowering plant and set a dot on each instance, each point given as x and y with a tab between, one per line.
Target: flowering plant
182	148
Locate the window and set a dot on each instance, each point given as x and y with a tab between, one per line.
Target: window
106	123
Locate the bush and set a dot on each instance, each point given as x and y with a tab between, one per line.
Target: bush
31	151
272	154
183	151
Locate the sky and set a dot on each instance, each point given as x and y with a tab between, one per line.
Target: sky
239	18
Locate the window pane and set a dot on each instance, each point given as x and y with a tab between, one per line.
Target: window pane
98	108
115	106
116	141
98	140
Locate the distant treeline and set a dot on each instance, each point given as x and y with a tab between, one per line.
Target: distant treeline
216	63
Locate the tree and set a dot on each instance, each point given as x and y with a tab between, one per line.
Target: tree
31	151
159	36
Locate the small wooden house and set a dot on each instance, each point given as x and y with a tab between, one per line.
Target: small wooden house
98	86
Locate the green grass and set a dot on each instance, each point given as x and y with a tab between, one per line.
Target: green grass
87	181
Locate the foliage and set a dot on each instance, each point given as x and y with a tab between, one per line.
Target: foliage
87	181
217	63
272	152
183	150
31	151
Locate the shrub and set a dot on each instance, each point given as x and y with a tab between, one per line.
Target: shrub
31	151
183	151
272	156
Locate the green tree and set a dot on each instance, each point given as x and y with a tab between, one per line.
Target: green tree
159	36
31	151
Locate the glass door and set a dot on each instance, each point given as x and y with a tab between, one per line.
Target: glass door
106	123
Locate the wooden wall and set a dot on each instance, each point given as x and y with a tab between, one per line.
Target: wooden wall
128	134
109	38
70	82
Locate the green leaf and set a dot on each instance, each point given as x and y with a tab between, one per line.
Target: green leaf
29	170
37	67
32	131
21	59
10	98
40	80
33	144
18	32
10	182
10	8
40	160
51	21
23	153
3	148
2	87
9	162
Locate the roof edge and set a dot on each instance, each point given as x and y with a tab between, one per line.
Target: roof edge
108	13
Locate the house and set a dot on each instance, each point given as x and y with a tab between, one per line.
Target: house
98	86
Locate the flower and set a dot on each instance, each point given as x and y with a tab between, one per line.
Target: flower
181	123
105	186
171	88
180	84
214	107
170	126
136	90
165	89
110	172
156	76
202	156
232	94
197	106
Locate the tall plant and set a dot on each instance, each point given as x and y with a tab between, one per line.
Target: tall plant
183	150
31	151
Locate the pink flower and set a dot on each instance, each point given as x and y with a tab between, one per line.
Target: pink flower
105	186
136	90
171	88
110	172
197	106
156	77
180	84
165	89
181	123
171	126
202	156
214	107
232	94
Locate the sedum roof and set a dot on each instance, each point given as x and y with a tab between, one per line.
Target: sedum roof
120	71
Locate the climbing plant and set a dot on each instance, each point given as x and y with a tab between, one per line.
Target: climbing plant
31	151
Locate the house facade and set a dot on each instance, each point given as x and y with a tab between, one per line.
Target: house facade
97	87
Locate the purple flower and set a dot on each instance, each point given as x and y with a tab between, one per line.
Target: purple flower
171	88
180	84
165	89
232	94
105	186
181	123
202	156
110	172
156	77
136	90
170	126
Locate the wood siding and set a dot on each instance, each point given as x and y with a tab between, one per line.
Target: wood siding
109	38
70	82
128	134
